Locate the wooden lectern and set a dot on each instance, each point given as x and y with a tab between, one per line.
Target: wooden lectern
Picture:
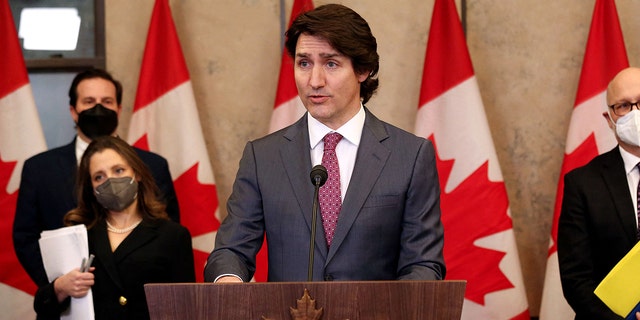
337	300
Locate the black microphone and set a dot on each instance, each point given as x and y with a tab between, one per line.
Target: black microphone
318	176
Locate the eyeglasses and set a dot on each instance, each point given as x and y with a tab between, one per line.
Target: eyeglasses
620	109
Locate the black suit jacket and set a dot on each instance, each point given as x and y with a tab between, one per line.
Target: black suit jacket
389	225
154	252
596	229
47	193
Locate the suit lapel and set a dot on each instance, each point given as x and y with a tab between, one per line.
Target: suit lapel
371	158
616	180
143	234
103	252
140	236
298	175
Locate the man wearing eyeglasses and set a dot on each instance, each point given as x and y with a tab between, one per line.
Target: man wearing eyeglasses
599	218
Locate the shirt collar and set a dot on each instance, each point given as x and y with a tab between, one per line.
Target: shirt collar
81	146
630	160
351	130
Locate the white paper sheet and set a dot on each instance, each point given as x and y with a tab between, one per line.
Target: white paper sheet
62	250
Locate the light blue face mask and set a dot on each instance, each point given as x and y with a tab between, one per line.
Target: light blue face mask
116	194
628	128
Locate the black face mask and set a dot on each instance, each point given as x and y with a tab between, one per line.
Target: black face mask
97	121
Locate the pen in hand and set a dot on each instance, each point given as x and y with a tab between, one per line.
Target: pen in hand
86	263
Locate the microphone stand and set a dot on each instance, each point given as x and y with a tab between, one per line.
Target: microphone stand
318	178
314	219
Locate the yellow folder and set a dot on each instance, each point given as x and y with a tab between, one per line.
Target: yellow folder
619	290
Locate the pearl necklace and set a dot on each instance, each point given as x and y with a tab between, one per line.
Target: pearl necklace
123	230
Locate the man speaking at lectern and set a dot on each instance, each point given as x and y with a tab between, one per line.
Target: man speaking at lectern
379	210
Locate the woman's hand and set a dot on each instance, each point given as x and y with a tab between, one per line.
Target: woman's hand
74	284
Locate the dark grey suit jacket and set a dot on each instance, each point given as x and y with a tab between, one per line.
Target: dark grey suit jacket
47	193
389	226
596	229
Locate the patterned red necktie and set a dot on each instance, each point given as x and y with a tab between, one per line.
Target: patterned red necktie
329	196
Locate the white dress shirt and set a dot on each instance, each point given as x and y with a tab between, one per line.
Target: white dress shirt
633	176
81	146
347	148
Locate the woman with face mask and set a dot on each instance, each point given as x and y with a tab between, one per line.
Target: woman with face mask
129	232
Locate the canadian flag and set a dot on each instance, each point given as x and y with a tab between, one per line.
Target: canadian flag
588	135
20	138
288	106
287	110
165	120
480	244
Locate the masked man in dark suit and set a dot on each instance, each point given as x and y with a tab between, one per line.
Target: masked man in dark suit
598	221
48	179
380	207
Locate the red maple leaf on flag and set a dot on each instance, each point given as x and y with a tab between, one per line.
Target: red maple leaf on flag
142	143
476	209
13	274
198	203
